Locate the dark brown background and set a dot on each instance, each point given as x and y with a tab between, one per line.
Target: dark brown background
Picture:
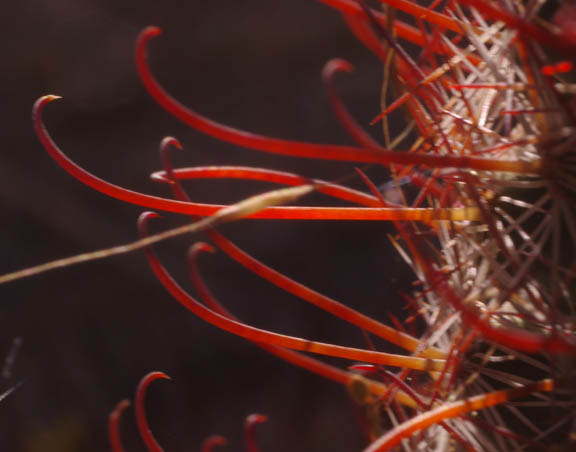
92	331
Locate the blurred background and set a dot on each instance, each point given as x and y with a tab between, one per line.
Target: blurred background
89	333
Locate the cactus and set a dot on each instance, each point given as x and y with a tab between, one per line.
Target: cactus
482	198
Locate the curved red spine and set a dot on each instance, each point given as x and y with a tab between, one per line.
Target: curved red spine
141	419
303	361
306	362
451	410
416	397
302	149
402	29
352	127
114	426
267	175
285	283
295	343
323	302
190	208
425	13
249	431
212	441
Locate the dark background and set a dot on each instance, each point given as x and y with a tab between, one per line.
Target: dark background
90	332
